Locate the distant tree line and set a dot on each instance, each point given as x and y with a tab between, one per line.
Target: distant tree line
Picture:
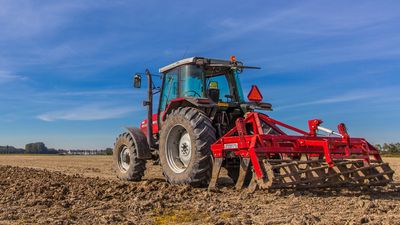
11	150
40	148
391	148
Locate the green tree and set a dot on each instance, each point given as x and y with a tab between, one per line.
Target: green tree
390	148
109	151
36	148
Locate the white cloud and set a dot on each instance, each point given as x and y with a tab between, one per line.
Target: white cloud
87	113
307	35
347	97
6	77
329	18
27	19
101	92
357	51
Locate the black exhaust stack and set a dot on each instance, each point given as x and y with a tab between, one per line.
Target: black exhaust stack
149	104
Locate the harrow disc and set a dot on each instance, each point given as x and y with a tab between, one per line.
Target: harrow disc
318	174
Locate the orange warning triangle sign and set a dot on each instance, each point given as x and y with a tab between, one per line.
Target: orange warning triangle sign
255	94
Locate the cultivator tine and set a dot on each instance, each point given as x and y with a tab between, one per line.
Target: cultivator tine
253	184
244	169
215	173
269	175
266	181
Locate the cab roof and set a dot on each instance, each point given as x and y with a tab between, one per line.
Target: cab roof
194	60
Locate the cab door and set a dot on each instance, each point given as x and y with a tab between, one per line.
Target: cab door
169	89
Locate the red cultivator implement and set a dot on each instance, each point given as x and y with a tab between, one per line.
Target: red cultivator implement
279	160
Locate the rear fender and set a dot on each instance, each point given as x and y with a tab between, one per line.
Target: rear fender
140	140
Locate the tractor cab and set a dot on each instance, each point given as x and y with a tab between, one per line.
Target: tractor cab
201	78
212	85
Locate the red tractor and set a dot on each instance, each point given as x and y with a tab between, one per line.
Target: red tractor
204	123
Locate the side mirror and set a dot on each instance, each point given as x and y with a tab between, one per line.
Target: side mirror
137	81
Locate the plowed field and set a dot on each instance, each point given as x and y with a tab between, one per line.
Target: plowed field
84	190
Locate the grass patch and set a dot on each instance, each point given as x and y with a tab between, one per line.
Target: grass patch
180	216
226	215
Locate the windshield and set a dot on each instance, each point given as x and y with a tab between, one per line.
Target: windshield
216	83
191	79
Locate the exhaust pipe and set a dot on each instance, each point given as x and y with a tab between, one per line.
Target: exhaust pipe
149	104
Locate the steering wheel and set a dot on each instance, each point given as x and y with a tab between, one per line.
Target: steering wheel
194	92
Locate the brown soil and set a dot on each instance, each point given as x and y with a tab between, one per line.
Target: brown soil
83	190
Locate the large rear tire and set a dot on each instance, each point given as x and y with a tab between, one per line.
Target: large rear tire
126	164
185	141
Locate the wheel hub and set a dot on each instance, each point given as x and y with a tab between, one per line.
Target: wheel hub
124	158
185	149
178	149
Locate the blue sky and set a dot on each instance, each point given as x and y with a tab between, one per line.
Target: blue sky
66	66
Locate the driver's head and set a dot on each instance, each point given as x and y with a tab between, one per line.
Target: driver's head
213	91
213	85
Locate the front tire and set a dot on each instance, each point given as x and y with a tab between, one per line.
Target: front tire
185	141
126	164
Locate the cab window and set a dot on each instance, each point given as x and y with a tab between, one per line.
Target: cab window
191	81
170	88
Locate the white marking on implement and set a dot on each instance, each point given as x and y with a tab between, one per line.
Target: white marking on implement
231	146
